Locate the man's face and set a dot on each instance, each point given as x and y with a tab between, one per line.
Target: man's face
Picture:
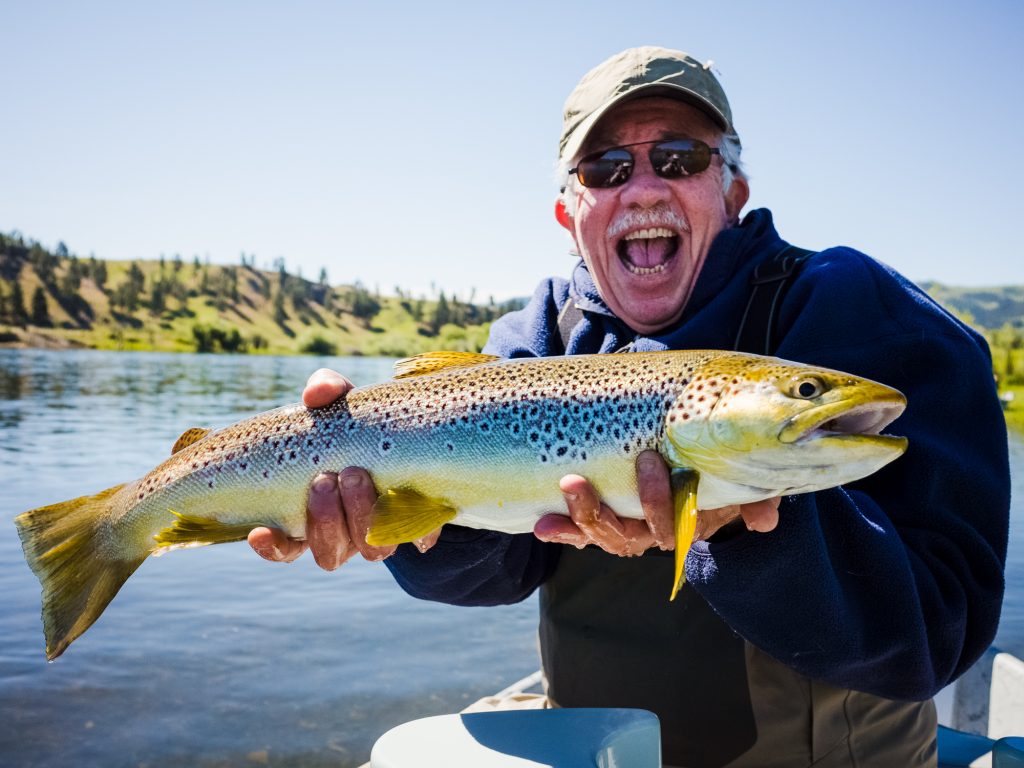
646	277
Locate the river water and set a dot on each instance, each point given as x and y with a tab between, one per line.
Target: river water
213	657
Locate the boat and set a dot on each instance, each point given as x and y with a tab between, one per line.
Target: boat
981	726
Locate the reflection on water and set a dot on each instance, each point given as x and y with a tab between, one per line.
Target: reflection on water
213	657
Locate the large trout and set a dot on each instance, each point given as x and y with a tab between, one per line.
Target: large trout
481	442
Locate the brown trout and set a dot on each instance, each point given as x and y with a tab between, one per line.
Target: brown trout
481	442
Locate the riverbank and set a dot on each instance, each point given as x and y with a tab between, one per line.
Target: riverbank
1013	407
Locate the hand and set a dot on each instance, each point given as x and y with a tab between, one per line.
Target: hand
592	522
339	505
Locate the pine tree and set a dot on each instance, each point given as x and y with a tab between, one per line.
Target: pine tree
17	305
99	275
442	314
280	316
40	312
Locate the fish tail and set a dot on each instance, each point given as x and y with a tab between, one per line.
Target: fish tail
62	546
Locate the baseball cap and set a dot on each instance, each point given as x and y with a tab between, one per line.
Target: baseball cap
636	72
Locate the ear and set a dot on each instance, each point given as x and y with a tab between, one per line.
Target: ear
736	198
562	216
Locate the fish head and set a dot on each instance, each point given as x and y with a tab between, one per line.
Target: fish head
776	427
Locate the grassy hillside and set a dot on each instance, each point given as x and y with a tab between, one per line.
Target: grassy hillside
988	308
57	300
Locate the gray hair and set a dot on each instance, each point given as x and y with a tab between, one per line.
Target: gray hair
732	168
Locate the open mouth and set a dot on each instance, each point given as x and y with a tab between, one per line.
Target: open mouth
839	419
648	251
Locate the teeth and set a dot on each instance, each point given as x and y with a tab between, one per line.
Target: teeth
644	270
649	234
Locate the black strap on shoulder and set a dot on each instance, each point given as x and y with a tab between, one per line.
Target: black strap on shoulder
769	283
567	320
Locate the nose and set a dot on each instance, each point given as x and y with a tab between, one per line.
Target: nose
645	189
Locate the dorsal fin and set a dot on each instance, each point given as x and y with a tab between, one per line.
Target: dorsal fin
189	436
432	362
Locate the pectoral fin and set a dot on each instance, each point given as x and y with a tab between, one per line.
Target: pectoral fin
403	514
684	500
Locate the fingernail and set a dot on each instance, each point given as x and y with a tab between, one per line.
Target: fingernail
323	484
421	545
646	463
276	553
351	480
569	496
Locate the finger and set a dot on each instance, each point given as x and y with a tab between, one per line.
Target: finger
272	544
710	520
600	525
326	530
761	516
652	479
559	529
324	387
358	496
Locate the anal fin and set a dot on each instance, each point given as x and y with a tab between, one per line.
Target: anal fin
403	514
684	502
189	531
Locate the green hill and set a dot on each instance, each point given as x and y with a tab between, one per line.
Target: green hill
988	308
55	299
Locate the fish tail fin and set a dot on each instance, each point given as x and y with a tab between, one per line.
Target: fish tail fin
60	543
684	500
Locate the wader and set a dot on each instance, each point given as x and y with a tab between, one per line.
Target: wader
610	637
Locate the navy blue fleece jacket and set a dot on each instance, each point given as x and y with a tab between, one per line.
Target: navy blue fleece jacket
891	585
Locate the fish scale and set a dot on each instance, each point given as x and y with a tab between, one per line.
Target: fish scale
477	441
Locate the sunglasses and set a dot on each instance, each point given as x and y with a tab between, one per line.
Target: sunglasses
671	159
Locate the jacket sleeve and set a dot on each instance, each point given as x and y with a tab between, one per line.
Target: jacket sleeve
471	567
891	585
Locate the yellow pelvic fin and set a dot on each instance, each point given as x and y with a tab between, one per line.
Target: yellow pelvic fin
189	436
188	531
62	546
402	514
684	500
432	362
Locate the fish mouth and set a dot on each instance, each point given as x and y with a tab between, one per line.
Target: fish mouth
861	422
649	250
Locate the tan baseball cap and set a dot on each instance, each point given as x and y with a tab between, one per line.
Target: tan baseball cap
636	72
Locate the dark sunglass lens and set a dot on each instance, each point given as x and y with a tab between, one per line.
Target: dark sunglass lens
607	169
683	157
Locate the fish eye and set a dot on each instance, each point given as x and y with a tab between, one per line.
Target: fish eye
807	388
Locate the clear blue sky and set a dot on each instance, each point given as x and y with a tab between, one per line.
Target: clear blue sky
411	143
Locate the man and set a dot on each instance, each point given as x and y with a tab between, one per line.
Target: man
813	630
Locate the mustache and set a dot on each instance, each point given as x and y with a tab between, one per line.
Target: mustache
647	218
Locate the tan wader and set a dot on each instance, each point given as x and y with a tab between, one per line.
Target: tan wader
610	637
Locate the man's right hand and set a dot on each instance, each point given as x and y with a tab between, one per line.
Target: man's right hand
339	505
